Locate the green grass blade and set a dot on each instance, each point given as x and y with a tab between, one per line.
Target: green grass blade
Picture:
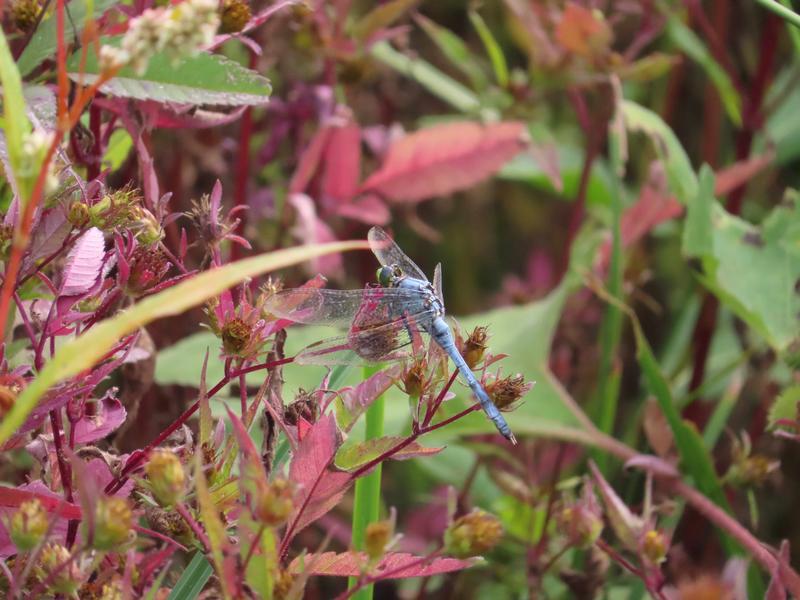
193	579
15	121
82	352
493	49
367	505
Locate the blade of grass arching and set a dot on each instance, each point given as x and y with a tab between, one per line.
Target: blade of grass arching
429	77
493	49
367	501
719	418
793	23
193	579
84	351
611	326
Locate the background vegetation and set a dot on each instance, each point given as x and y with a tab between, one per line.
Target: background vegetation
609	187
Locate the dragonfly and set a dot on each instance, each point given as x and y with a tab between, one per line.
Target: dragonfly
381	321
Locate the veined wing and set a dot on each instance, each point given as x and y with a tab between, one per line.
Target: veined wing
389	253
388	342
313	306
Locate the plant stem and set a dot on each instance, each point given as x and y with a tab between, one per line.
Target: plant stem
367	504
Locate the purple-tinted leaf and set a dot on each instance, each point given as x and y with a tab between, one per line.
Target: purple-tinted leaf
48	236
395	565
445	158
369	209
319	487
653	464
342	160
309	161
353	456
110	415
353	401
310	229
84	263
251	466
625	524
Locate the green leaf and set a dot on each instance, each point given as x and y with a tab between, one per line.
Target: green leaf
429	77
43	42
201	79
693	47
82	352
784	407
15	122
694	456
698	237
493	49
193	579
680	174
754	271
353	455
456	51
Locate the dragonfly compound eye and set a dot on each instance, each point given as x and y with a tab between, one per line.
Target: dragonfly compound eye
385	276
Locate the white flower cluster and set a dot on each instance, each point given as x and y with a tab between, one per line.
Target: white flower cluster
34	149
178	32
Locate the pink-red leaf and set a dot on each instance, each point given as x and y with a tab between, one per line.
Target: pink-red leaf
342	160
84	263
445	158
395	565
110	415
251	466
353	456
353	401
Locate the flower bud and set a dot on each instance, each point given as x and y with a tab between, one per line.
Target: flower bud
581	525
654	546
414	378
78	214
283	584
25	14
148	267
28	525
235	15
112	591
113	523
274	502
377	538
68	578
166	476
473	534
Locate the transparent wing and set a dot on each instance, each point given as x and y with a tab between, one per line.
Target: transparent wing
389	253
437	282
313	306
382	343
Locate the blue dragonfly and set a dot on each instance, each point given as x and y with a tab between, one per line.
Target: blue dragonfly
381	321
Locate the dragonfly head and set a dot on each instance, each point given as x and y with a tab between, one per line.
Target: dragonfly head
388	274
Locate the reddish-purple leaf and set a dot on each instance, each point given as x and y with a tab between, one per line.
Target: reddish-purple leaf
320	487
110	415
310	229
625	524
353	401
653	464
251	465
730	178
353	456
369	209
84	263
309	161
342	160
395	565
47	237
445	158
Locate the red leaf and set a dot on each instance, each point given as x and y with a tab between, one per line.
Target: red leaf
342	159
369	209
309	161
395	565
251	465
320	488
730	178
84	263
583	31
445	158
310	229
13	497
356	400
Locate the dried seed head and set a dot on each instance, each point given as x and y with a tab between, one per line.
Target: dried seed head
474	346
473	534
283	584
28	525
505	392
236	335
25	13
379	536
148	267
166	476
414	378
